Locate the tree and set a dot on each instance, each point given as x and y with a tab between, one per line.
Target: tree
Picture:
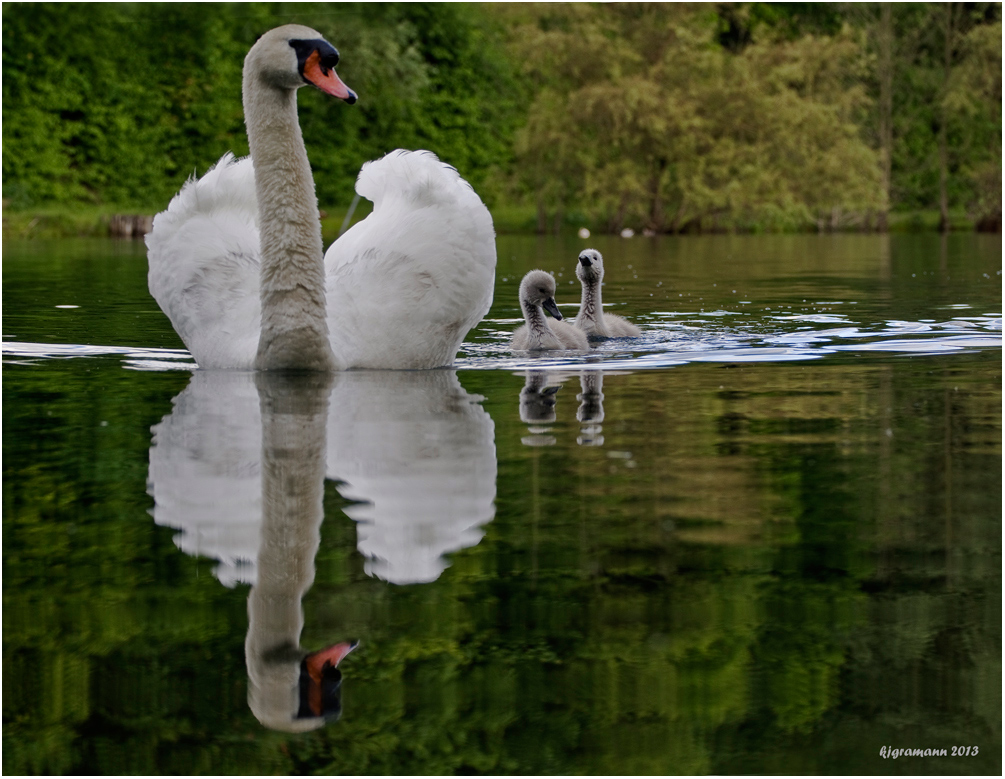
974	94
885	103
644	119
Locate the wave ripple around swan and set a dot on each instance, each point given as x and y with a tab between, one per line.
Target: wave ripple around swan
668	339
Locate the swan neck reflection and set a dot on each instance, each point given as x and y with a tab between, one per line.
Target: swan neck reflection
281	693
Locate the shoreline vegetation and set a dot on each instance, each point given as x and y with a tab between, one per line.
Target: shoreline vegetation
649	118
96	222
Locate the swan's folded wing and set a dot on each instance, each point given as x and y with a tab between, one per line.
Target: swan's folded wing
407	283
203	265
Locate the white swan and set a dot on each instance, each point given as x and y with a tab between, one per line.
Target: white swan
591	318
537	294
236	259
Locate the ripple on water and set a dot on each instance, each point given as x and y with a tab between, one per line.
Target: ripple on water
677	338
135	357
668	339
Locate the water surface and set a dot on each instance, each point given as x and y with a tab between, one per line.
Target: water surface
765	537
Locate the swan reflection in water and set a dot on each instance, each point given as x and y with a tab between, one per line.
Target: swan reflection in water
539	397
239	468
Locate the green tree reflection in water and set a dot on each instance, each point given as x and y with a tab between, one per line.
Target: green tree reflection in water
770	567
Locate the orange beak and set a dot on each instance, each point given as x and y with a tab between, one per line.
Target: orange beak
326	79
318	664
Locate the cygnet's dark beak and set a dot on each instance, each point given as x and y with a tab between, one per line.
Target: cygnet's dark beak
552	308
585	261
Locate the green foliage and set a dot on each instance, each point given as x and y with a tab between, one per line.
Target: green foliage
120	103
645	118
117	103
974	97
946	74
671	117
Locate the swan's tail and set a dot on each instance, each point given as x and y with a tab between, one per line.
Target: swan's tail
416	176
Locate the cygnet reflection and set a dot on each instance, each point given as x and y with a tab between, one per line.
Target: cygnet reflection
539	399
537	407
591	408
239	468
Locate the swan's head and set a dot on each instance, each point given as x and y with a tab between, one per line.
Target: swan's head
293	55
293	693
538	289
591	266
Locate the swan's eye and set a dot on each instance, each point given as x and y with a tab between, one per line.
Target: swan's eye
329	58
327	54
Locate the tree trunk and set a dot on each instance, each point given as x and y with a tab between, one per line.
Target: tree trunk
656	215
885	45
675	222
618	220
943	121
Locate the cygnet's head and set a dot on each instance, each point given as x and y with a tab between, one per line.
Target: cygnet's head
291	56
590	267
538	289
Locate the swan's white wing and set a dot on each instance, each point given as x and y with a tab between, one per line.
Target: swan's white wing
203	257
407	283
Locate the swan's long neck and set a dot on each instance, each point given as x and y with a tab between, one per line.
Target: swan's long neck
591	308
538	329
294	332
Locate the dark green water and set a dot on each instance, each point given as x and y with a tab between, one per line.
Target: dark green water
765	537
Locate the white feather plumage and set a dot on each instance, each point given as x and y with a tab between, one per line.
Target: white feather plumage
404	286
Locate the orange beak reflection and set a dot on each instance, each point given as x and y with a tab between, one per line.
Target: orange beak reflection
321	681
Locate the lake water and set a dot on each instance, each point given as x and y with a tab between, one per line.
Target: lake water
764	537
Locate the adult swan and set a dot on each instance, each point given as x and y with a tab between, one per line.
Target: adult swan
236	259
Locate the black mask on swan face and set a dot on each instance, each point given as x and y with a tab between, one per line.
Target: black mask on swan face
316	61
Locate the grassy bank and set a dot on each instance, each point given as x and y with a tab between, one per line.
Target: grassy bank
58	222
94	221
